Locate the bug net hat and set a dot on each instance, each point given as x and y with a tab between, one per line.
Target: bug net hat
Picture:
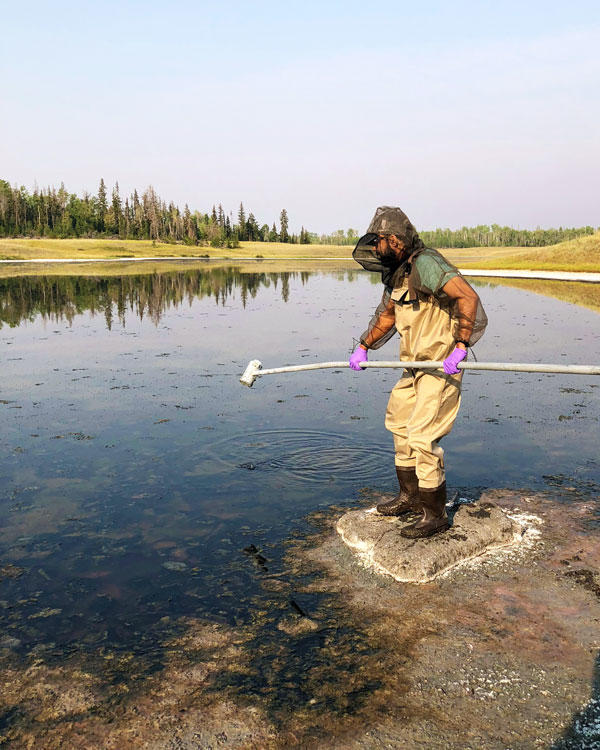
387	220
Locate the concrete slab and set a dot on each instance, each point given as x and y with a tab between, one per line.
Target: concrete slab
476	529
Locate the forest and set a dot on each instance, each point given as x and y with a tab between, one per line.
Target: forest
59	214
52	213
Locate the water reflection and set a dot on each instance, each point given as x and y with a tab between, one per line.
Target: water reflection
57	298
576	293
147	295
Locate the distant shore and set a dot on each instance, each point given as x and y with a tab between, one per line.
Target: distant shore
580	255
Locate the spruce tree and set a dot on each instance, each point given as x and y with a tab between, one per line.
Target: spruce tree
116	210
304	237
242	223
127	222
283	219
102	205
252	230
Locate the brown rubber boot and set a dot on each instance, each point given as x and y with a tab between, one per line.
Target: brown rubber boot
434	518
407	499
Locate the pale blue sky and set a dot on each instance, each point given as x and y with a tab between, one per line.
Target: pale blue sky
460	112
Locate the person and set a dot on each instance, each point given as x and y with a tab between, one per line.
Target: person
438	316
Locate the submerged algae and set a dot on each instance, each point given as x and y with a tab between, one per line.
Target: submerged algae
497	655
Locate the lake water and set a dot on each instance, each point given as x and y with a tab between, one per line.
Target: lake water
141	482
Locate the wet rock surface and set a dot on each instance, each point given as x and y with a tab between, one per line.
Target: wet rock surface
500	652
476	528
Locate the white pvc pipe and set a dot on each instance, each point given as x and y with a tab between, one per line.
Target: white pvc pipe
434	365
255	370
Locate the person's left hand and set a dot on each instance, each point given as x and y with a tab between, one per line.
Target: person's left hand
453	359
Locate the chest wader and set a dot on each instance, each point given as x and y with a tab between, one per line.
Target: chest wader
422	406
421	410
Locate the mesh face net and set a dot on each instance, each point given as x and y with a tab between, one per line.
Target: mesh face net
431	279
387	220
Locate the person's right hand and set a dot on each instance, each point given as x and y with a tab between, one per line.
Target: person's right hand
358	355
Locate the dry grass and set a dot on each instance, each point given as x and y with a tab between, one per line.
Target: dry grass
582	254
80	249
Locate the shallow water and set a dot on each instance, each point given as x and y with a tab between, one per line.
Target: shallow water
141	482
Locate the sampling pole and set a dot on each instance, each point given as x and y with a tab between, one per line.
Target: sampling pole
255	368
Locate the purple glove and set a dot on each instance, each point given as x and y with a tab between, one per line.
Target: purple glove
358	355
453	359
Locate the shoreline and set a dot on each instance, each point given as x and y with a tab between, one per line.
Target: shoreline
582	276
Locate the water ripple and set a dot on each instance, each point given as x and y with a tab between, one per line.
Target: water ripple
305	455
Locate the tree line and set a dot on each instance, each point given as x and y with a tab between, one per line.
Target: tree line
497	236
480	236
48	212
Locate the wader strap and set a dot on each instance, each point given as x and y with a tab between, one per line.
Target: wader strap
411	286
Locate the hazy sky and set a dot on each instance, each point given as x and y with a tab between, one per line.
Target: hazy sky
460	112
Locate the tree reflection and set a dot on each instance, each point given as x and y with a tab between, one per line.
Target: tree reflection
580	293
58	298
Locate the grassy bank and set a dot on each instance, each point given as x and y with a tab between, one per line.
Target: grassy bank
582	254
133	267
80	249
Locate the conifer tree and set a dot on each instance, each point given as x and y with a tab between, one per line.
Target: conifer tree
102	205
242	223
304	237
116	210
127	219
283	220
252	230
189	226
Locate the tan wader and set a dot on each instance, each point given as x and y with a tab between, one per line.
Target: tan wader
423	405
